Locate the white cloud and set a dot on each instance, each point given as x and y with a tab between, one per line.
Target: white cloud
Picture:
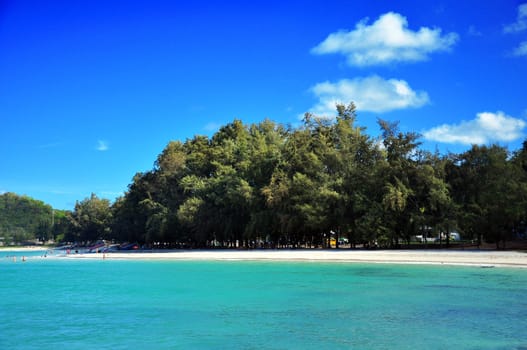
521	50
372	94
521	21
102	146
486	127
386	40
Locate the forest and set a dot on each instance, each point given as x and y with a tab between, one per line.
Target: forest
274	185
24	219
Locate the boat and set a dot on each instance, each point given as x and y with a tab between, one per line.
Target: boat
129	246
97	247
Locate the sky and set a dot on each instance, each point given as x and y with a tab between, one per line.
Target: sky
92	91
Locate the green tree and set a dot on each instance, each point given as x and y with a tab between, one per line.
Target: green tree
356	156
296	188
266	142
437	207
61	225
23	218
91	219
399	175
491	191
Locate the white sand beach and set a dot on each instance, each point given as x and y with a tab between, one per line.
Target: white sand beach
23	249
484	258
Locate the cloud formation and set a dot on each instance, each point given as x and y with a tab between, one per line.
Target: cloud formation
101	146
486	127
521	50
386	40
521	21
372	94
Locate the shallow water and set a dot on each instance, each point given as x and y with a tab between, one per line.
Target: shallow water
49	303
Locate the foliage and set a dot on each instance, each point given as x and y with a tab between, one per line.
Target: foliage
90	219
24	219
268	184
272	185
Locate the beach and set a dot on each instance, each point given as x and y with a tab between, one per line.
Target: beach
23	249
484	258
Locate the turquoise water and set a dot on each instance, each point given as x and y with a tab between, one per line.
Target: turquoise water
92	304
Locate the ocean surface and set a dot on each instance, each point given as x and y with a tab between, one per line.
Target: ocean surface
53	303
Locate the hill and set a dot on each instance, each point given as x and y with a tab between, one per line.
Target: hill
23	219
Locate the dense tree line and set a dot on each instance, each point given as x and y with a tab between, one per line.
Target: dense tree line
268	184
273	185
23	219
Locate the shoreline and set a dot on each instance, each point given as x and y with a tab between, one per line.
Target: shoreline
24	249
481	258
426	257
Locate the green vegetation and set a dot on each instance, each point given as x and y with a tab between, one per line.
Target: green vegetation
272	185
275	185
23	219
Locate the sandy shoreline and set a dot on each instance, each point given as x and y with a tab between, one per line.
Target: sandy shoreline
437	257
23	249
485	258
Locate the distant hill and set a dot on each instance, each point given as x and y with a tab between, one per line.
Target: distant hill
23	219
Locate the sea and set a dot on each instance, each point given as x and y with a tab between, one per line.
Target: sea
60	303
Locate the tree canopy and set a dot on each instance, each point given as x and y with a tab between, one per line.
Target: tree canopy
272	185
268	184
23	219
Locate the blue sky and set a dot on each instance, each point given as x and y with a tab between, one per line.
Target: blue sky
92	91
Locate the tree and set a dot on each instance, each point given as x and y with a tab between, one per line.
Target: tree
61	225
491	190
356	159
399	175
437	207
266	142
44	230
295	185
23	218
297	191
91	219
